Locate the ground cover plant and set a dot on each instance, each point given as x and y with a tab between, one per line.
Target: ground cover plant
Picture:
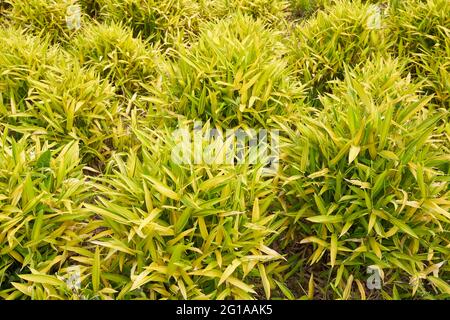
117	122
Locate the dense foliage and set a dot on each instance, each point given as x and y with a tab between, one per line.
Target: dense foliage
93	203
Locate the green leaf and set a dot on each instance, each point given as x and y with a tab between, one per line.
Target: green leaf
178	251
163	189
44	159
403	226
326	219
285	290
96	270
333	249
229	271
354	151
441	284
44	279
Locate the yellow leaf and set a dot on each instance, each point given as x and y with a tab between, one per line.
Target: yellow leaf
96	270
27	290
333	249
163	189
348	288
361	289
320	173
311	287
44	279
255	212
441	284
265	280
229	270
241	285
375	247
354	151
